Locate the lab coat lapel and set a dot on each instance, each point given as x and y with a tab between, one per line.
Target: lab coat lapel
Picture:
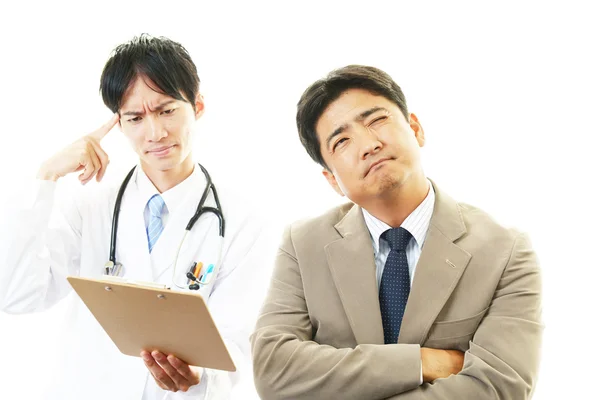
132	241
164	251
198	243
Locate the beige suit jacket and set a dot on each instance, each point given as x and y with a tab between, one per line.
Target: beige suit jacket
477	288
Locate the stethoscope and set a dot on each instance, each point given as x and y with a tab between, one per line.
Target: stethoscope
114	268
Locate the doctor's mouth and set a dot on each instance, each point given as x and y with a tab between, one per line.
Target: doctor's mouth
161	151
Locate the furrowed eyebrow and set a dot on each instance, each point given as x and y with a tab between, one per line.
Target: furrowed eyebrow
162	105
361	117
133	113
159	107
365	114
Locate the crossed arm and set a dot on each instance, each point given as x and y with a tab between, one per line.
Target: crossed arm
502	360
289	364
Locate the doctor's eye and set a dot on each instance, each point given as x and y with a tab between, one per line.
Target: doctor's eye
169	111
134	119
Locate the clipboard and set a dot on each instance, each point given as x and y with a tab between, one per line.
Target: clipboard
140	317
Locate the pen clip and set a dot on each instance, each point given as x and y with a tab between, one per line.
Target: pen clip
209	271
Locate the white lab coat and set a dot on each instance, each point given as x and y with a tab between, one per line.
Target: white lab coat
37	253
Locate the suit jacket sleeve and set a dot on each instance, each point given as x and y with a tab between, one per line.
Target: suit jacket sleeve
288	364
502	361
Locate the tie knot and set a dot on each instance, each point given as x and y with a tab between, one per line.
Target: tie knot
156	205
397	238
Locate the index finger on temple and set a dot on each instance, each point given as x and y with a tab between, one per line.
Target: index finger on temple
104	129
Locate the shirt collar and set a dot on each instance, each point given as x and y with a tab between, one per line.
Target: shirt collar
417	223
177	195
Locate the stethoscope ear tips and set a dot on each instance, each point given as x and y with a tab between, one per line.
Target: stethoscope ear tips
194	286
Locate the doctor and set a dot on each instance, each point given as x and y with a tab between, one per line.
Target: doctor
152	87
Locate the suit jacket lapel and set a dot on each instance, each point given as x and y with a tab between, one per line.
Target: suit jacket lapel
352	267
440	266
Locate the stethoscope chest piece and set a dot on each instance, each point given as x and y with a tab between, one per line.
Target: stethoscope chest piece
113	269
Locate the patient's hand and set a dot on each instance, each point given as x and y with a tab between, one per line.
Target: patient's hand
440	363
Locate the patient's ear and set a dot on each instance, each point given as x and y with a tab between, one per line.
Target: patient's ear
332	181
415	125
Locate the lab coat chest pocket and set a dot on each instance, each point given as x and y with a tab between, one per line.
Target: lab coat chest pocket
201	245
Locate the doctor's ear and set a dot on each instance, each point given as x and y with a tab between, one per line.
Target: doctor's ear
332	181
199	105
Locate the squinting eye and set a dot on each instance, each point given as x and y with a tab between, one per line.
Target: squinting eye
378	119
135	119
170	111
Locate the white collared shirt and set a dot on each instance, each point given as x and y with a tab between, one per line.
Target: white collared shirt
173	197
417	223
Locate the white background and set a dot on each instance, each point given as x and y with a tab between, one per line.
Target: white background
508	95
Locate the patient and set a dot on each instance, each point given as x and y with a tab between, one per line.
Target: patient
403	292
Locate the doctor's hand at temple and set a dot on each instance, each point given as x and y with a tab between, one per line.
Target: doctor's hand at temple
170	373
85	154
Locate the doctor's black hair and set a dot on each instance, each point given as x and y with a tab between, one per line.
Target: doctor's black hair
165	63
322	93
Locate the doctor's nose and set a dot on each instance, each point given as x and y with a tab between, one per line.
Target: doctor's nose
155	131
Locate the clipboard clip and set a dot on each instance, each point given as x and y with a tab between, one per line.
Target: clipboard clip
117	279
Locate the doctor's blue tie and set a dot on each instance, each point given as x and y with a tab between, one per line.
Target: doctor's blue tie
395	283
155	225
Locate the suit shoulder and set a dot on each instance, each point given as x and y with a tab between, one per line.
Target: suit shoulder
321	222
320	228
485	227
